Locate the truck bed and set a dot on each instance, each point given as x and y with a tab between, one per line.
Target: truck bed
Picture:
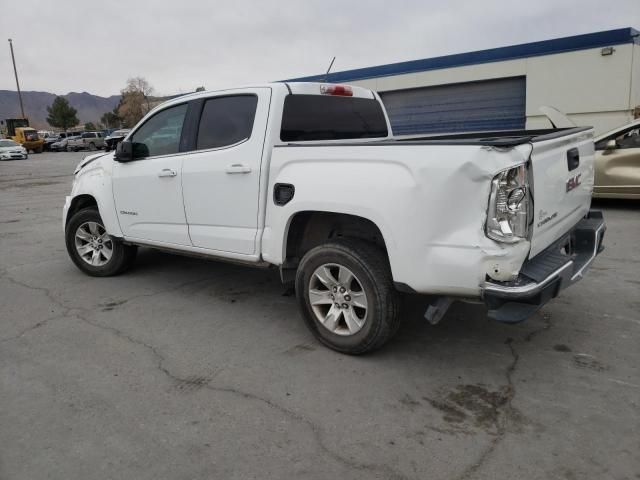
503	138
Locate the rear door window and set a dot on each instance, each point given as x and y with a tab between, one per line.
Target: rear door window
226	121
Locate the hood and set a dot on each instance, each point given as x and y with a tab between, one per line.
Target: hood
89	159
12	149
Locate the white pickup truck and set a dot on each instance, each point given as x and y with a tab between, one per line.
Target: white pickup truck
308	178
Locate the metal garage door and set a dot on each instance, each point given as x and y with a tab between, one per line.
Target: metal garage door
460	107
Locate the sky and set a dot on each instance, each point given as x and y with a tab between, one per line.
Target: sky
69	45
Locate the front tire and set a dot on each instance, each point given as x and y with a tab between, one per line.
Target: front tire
346	293
92	249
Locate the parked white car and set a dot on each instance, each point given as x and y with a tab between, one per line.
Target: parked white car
10	150
307	177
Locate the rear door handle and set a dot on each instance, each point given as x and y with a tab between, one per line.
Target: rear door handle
238	168
167	172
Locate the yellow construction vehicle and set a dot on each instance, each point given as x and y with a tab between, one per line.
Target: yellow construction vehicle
19	131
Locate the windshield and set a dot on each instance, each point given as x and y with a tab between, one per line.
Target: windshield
31	135
8	143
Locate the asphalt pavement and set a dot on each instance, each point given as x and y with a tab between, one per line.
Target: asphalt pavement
192	369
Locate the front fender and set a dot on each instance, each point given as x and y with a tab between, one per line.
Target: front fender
93	177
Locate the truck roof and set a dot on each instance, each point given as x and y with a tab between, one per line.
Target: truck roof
294	88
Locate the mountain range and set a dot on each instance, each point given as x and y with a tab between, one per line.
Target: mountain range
90	107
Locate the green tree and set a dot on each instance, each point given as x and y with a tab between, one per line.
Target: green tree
90	126
111	119
61	114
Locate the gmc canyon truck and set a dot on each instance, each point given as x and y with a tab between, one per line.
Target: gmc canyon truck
307	177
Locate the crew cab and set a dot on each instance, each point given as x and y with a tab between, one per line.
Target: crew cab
308	178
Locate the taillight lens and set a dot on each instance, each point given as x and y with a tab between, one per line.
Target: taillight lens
508	215
337	90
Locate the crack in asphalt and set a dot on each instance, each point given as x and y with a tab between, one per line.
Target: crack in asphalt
508	410
82	314
65	310
315	429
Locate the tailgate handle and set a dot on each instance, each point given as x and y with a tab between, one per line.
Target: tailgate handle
573	159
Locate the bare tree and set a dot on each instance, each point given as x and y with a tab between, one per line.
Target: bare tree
136	101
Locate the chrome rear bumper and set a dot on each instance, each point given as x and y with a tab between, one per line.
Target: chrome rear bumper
542	277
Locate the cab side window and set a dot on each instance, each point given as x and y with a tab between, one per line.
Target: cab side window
226	121
160	135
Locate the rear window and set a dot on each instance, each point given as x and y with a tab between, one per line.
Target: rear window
320	117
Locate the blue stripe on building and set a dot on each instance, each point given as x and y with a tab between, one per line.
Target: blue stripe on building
546	47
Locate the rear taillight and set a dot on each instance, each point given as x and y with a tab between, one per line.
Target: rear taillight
508	215
337	90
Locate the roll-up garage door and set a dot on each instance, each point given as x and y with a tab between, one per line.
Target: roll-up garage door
459	107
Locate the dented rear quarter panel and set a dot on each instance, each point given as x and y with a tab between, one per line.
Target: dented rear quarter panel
429	202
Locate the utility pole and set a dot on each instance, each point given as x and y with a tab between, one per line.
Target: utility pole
15	71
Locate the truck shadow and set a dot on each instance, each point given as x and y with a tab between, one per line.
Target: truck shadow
457	376
246	286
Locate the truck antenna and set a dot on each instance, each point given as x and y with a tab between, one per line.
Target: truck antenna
326	75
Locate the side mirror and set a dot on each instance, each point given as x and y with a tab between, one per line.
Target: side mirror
129	151
611	145
124	152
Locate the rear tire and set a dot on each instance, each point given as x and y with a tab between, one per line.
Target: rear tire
355	307
92	249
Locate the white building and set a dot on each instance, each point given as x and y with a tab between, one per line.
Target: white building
594	78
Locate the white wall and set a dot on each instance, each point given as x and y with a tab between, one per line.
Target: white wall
591	89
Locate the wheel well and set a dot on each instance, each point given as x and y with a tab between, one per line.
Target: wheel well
310	229
78	203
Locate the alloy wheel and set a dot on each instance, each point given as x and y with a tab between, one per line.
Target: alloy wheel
93	244
338	299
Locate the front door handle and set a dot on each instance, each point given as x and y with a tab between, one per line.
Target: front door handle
167	172
238	168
